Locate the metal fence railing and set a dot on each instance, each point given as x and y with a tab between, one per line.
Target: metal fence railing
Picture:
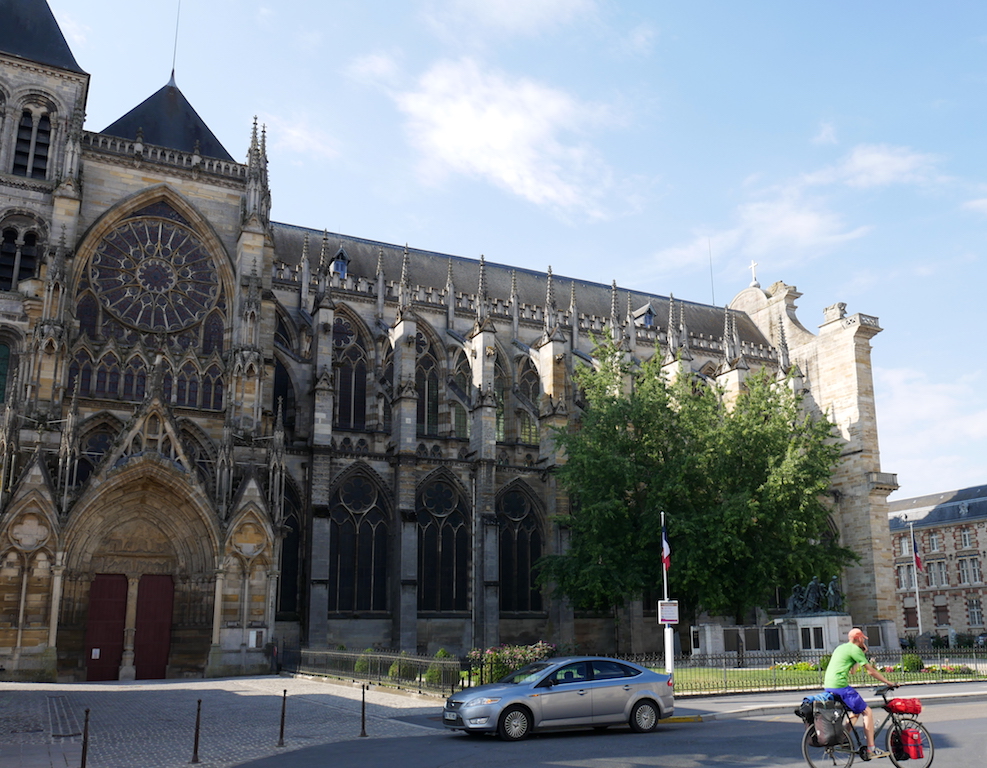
695	674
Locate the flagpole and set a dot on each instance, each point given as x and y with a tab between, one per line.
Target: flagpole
915	569
669	632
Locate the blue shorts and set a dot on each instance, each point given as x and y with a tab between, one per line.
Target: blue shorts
853	700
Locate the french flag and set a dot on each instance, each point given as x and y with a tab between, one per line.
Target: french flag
918	560
666	551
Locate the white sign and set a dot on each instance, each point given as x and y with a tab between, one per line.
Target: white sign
668	611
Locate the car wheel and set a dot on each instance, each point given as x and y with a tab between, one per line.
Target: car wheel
515	724
644	717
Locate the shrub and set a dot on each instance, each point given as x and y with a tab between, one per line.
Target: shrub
363	663
501	660
403	668
912	662
444	675
824	660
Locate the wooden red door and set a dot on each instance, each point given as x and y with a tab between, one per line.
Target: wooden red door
105	626
152	642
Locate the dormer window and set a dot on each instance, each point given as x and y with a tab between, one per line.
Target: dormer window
31	149
648	318
340	264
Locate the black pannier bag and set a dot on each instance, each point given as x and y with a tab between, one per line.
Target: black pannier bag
828	719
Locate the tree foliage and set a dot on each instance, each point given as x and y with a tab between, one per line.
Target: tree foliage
742	486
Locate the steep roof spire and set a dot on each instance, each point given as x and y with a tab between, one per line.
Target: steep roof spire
29	31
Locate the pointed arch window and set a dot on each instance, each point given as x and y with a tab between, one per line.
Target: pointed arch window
427	385
460	422
351	375
32	144
357	547
443	548
94	447
529	383
4	370
520	548
502	389
284	394
387	389
527	428
18	258
289	585
212	334
88	313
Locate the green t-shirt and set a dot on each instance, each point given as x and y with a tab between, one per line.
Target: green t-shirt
840	664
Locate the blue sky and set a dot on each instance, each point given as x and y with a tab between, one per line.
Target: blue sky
662	145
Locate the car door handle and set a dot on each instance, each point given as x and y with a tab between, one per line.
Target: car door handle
583	693
627	687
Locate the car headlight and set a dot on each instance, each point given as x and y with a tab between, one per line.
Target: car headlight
480	701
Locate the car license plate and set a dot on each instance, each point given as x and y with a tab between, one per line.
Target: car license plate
449	715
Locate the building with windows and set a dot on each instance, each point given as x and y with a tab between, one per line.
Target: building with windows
951	539
219	431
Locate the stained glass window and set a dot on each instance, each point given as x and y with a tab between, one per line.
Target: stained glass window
351	376
443	548
520	548
155	275
357	547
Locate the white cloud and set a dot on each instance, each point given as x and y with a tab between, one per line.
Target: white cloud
513	132
877	165
640	41
74	30
980	206
374	69
933	434
513	17
825	135
786	227
298	134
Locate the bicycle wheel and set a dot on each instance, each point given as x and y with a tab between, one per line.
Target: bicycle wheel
925	740
827	757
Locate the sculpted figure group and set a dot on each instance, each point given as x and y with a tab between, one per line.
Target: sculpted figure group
815	597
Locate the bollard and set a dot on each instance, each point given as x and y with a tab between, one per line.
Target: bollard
284	700
198	720
363	711
85	741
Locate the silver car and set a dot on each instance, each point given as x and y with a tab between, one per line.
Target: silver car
575	690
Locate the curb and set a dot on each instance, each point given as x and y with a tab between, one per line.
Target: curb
781	709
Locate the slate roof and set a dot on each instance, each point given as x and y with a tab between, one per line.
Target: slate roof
428	268
939	508
168	120
29	31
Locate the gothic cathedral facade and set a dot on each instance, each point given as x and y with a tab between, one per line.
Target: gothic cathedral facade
220	432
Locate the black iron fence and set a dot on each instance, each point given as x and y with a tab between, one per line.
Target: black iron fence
694	675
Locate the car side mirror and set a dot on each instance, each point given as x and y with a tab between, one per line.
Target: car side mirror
548	682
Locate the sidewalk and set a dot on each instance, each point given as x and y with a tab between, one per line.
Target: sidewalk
151	724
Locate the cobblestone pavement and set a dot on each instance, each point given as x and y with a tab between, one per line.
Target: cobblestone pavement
151	724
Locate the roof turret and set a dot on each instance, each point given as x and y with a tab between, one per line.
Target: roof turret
168	120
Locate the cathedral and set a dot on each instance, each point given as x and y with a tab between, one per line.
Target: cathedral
221	433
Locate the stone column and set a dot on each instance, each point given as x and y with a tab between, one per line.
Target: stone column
127	669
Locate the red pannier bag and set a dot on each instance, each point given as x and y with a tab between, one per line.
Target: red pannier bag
911	742
905	706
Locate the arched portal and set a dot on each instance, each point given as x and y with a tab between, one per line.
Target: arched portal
141	558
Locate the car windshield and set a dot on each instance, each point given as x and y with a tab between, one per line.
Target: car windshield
526	674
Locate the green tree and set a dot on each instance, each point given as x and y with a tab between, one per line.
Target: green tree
742	485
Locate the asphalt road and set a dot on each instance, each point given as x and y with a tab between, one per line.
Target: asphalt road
959	732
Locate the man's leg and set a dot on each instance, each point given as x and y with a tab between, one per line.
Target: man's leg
868	718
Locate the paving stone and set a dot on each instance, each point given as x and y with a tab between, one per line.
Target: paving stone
152	723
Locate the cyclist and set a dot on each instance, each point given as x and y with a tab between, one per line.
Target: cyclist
847	659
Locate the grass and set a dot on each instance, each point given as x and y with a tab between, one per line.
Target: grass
713	679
